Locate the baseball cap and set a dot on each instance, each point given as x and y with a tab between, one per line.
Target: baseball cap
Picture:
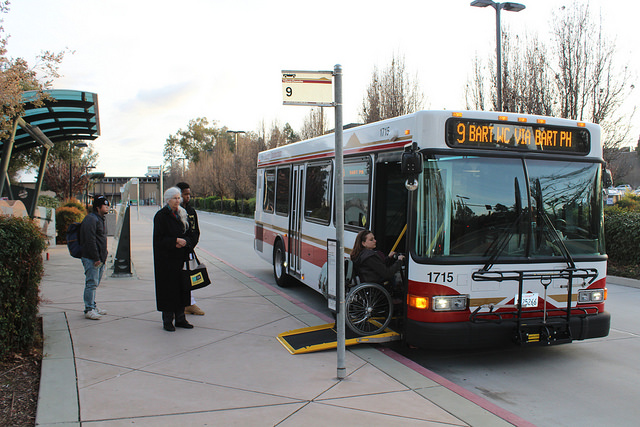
99	201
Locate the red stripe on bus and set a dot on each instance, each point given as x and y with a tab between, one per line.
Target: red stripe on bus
330	154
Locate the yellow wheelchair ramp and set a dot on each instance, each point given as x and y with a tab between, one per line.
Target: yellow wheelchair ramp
324	337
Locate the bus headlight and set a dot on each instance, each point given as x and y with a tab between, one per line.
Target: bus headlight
450	303
592	295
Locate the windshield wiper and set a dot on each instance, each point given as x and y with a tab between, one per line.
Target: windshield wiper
499	244
555	234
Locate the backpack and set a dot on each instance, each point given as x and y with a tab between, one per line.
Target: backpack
73	240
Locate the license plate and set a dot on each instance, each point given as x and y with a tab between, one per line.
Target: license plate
528	300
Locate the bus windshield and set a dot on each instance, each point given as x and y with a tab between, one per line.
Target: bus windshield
510	208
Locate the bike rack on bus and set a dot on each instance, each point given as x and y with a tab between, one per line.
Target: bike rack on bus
552	329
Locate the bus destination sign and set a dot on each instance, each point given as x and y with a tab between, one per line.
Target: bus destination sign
470	133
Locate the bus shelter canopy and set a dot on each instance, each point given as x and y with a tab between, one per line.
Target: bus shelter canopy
61	115
64	115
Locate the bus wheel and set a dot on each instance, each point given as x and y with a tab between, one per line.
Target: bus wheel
368	309
279	266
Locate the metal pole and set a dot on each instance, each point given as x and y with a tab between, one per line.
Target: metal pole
337	72
70	151
138	197
6	156
498	6
40	179
161	198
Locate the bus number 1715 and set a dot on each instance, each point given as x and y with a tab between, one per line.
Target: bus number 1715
435	277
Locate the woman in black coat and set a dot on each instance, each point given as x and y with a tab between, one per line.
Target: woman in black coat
170	251
373	266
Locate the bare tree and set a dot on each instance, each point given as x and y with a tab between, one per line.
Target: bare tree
314	124
525	79
591	86
474	90
574	75
391	93
279	137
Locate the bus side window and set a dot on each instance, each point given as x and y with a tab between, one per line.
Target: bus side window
269	190
317	202
282	191
356	193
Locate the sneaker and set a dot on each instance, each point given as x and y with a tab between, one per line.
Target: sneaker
93	315
100	311
194	309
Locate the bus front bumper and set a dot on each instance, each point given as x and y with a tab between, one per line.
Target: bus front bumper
461	335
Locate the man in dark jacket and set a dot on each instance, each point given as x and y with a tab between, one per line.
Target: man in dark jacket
192	237
93	237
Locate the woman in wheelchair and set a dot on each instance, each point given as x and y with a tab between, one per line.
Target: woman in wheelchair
373	266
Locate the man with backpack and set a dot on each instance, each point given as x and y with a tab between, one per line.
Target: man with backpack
93	237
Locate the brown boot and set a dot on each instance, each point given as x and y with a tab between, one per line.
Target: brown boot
194	309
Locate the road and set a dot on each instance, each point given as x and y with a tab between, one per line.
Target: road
593	382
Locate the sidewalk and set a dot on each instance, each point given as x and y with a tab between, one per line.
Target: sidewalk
228	370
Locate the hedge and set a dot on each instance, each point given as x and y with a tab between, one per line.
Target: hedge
244	207
21	270
622	237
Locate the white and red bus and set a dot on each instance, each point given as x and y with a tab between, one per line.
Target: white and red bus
504	221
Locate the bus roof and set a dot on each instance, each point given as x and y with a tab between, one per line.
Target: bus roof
423	127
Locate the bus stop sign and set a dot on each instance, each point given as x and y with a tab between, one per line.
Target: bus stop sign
314	88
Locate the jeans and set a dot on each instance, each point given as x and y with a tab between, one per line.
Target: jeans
92	275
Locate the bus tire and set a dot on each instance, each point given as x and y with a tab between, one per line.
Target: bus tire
279	266
368	309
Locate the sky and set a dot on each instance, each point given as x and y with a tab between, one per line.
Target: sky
158	64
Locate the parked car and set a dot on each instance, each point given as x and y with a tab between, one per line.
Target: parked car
624	188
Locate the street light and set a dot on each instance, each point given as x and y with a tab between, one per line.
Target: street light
235	134
71	146
511	7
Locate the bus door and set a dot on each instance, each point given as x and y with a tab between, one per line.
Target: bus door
390	203
295	222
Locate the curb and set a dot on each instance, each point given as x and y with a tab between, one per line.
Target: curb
623	281
58	402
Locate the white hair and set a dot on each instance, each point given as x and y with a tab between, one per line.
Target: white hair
182	213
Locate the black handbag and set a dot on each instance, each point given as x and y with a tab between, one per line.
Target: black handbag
194	273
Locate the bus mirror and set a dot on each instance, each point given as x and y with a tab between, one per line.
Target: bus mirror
411	165
411	160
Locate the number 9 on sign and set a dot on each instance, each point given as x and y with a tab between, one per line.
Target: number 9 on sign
289	91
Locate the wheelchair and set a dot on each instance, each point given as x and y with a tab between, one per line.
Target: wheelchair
368	306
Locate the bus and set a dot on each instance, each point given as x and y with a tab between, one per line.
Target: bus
500	216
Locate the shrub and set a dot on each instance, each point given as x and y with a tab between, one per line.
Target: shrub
74	203
21	270
630	203
622	234
250	207
66	215
228	205
210	202
48	202
613	210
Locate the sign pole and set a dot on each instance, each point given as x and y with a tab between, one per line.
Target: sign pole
339	187
313	88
